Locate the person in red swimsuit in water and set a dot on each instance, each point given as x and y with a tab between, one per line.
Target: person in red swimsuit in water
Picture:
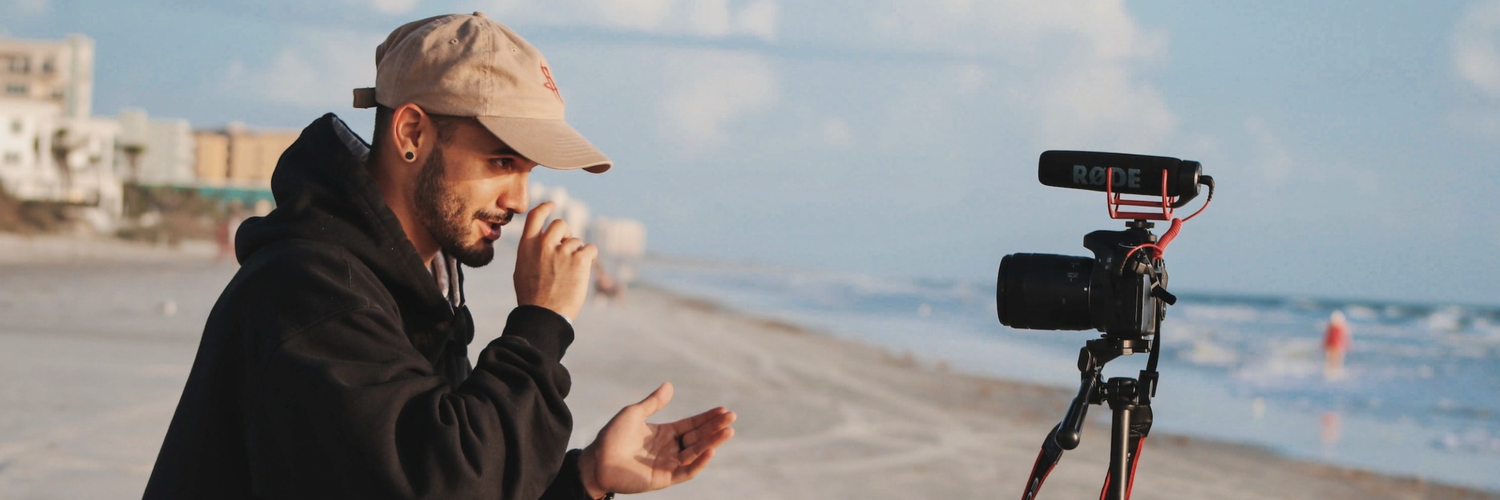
1336	340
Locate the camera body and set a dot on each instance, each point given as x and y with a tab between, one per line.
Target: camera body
1115	292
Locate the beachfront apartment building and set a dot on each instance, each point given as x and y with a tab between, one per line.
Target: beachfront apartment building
51	149
56	71
155	151
46	155
238	156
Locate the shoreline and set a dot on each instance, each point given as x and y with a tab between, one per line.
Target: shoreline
89	391
23	249
1097	428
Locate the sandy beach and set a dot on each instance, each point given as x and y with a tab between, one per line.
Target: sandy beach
97	337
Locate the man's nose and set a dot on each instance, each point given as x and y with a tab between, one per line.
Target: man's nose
513	195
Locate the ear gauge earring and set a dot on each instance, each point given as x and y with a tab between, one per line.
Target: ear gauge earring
410	156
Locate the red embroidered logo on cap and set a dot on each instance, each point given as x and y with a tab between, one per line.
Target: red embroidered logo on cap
551	85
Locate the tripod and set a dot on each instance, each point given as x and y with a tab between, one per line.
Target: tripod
1129	400
1125	298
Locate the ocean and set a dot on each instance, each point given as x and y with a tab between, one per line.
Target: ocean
1420	395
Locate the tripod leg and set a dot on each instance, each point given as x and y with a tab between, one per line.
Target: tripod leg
1119	461
1045	460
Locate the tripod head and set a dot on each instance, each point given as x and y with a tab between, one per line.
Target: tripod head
1093	390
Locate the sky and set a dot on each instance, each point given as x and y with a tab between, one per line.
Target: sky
1354	143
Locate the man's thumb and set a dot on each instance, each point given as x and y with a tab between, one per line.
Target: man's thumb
535	219
657	400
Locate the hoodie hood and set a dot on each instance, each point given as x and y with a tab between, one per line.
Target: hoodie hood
324	193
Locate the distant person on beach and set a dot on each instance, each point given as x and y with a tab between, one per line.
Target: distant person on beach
1336	340
607	288
224	235
335	364
224	239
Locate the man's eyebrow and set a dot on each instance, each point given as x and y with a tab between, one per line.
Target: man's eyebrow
505	150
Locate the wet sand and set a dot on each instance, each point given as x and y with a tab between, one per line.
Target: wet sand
97	337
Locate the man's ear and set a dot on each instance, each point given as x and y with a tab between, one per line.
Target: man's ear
408	131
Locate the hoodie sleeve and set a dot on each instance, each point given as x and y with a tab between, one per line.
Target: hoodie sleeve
347	408
568	485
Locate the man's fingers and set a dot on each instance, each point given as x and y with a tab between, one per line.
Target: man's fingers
557	231
574	246
688	424
692	429
690	470
534	220
704	445
656	400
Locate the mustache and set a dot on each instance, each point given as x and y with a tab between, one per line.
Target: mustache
501	218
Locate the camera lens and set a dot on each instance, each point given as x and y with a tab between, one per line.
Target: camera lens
1044	291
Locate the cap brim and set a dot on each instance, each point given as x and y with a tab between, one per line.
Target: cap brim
550	143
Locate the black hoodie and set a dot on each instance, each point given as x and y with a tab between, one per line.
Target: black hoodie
332	366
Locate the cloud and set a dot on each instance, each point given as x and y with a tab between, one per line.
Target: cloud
1482	122
707	91
318	70
1277	170
1474	53
970	78
1089	85
388	7
701	18
394	6
709	17
706	18
1273	162
1005	27
1103	106
1476	47
759	19
639	15
836	132
1074	67
26	8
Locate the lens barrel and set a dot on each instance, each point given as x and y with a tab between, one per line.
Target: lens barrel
1044	291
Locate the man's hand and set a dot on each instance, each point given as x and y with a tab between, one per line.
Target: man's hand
552	267
632	456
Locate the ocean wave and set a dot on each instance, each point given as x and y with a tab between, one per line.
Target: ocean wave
1474	441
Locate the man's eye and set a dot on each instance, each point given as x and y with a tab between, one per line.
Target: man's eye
505	163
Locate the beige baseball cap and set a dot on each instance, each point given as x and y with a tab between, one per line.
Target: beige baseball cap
469	65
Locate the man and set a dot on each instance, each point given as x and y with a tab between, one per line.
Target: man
335	363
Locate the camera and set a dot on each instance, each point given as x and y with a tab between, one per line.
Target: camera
1121	290
1113	292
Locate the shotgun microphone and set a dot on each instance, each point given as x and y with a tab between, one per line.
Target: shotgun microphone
1130	174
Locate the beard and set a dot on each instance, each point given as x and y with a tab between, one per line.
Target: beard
447	219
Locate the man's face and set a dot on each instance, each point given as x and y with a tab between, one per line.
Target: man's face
469	186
